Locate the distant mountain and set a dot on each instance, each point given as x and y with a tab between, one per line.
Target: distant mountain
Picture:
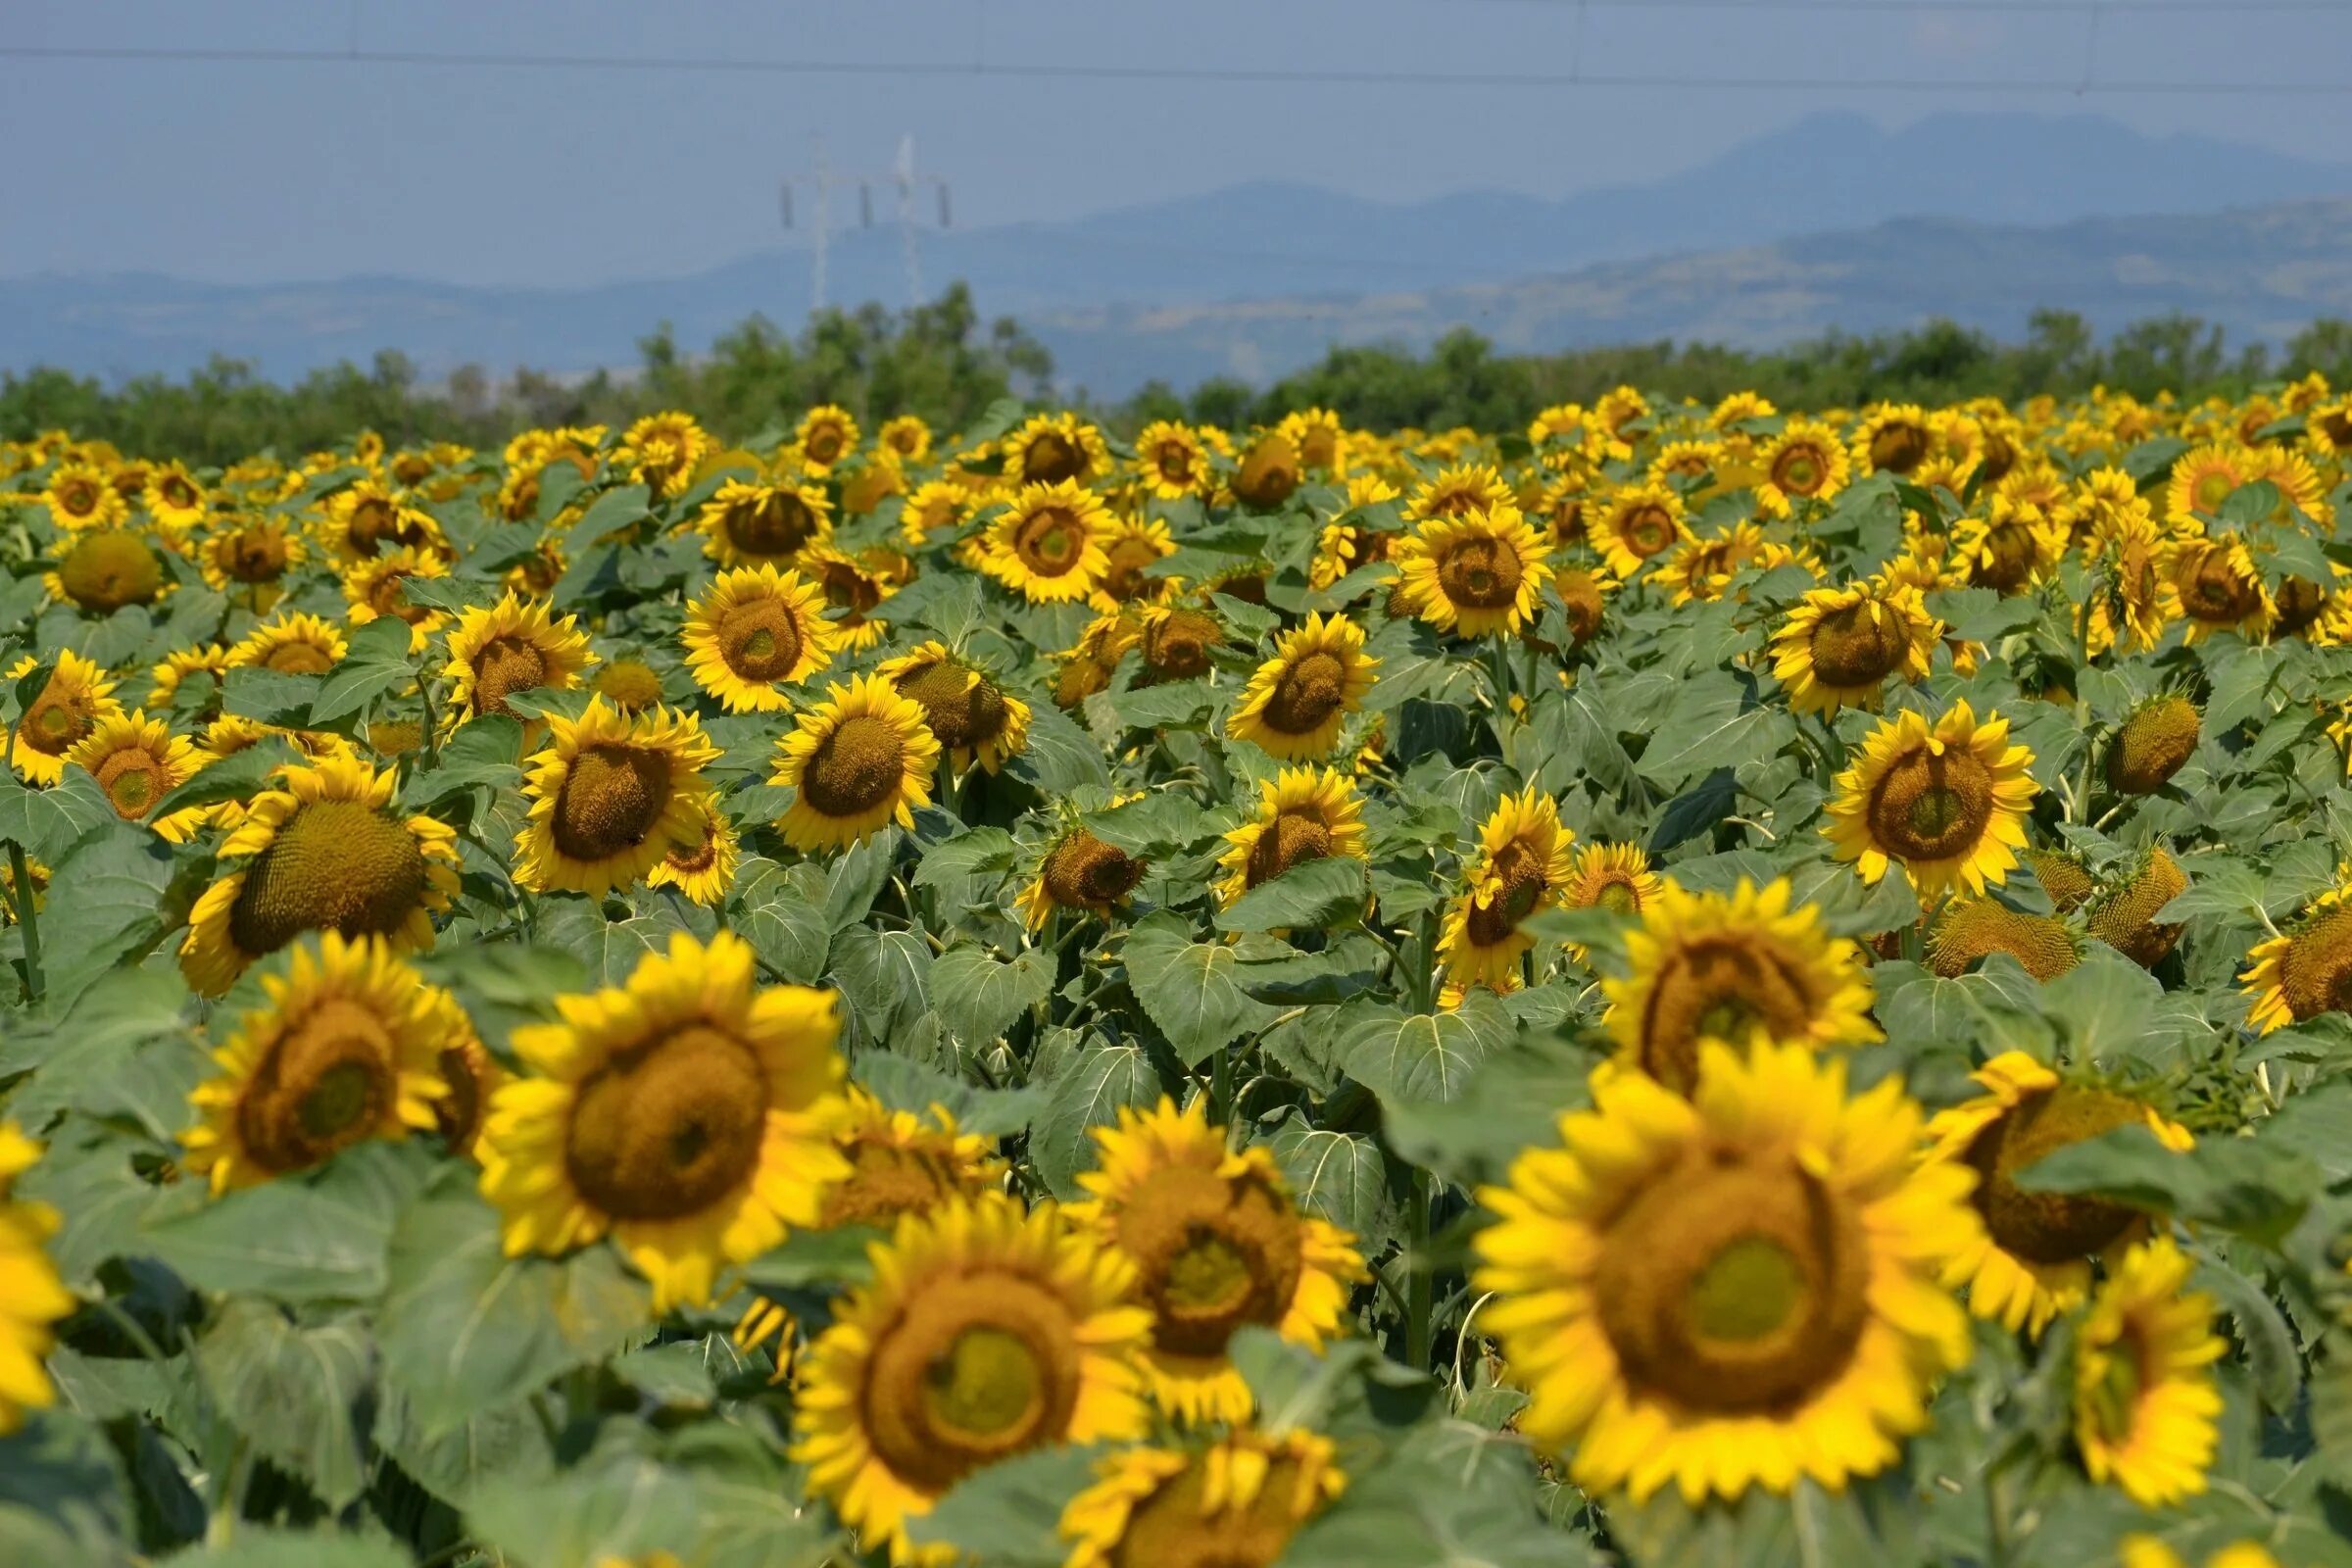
1827	174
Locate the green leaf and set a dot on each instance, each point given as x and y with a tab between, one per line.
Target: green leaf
466	1329
291	1390
2107	1004
1060	757
1420	1057
626	1506
978	997
112	898
1190	988
1086	1095
270	696
238	776
1161	824
678	1375
828	1259
1512	1101
2241	1185
854	879
781	914
1705	727
1314	897
904	1084
2271	1352
63	1495
319	1239
1338	1175
1008	1514
884	975
974	852
1171	705
484	753
49	823
375	662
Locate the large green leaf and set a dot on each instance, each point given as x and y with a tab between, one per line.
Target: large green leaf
1189	989
292	1391
316	1240
978	996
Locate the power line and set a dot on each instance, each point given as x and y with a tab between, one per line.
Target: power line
1898	8
1113	71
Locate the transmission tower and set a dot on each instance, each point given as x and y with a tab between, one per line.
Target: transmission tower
821	184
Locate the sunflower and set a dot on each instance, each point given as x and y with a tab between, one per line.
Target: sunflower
1473	574
137	760
2202	479
1614	411
1172	460
902	1164
1130	547
1303	813
1840	646
856	585
2135	598
1457	492
1294	704
2307	970
2159	737
1968	930
1219	1244
684	1113
937	506
1524	861
378	588
32	1298
1079	871
319	852
1947	804
298	644
1233	1503
701	867
78	497
75	699
1319	437
2146	1408
747	524
824	437
1639	523
859	760
36	886
2125	918
756	631
174	500
663	451
247	558
610	795
1176	642
104	569
984	1333
1699	571
2029	1259
1730	1290
1733	968
367	518
1050	543
2219	588
968	714
517	645
1616	877
347	1049
906	437
1054	449
1805	461
2009	548
2150	1552
629	684
1893	438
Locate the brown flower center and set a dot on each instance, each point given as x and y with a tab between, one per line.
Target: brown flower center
975	1367
1082	873
2316	972
1858	645
611	797
1899	447
334	866
887	1180
1176	1527
1176	644
777	522
1291	839
1213	1254
2048	1226
299	655
855	768
2154	744
1930	807
1648	529
134	779
668	1128
962	708
252	555
760	640
322	1087
58	719
1050	457
506	665
1722	985
1482	574
1051	541
1308	692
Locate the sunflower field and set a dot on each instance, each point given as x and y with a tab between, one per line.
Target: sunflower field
1685	985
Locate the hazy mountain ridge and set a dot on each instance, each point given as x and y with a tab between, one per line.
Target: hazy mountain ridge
1239	281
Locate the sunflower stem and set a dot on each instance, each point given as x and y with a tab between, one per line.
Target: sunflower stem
1498	668
1221	1088
1419	1285
20	887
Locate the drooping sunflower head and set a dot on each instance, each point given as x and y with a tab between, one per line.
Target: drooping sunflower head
2307	970
1840	646
1730	1290
1969	930
2219	587
517	645
1079	871
1733	968
1054	448
2148	1411
2125	915
754	632
984	1333
903	1164
687	1113
1296	703
300	644
348	1048
1946	803
1303	813
1270	471
859	761
1048	544
2155	741
1218	1244
1473	574
610	795
69	706
969	716
2028	1259
629	684
1233	1503
137	760
105	568
746	525
2063	876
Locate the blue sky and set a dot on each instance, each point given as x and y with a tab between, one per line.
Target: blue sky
253	172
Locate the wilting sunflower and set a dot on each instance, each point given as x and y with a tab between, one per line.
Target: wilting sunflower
1050	543
1840	646
756	631
1947	804
663	451
1054	448
77	697
2219	588
1303	813
368	518
1893	438
1173	460
1733	968
1637	525
321	850
2124	917
859	761
2030	1259
1219	1244
137	760
1233	1503
1805	461
378	588
1970	930
2307	970
1730	1291
2148	1411
685	1114
969	716
703	868
78	497
747	524
1294	704
984	1333
1473	574
298	644
2154	742
1079	871
902	1164
610	795
1524	861
517	645
347	1049
104	569
248	556
32	1298
1130	547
